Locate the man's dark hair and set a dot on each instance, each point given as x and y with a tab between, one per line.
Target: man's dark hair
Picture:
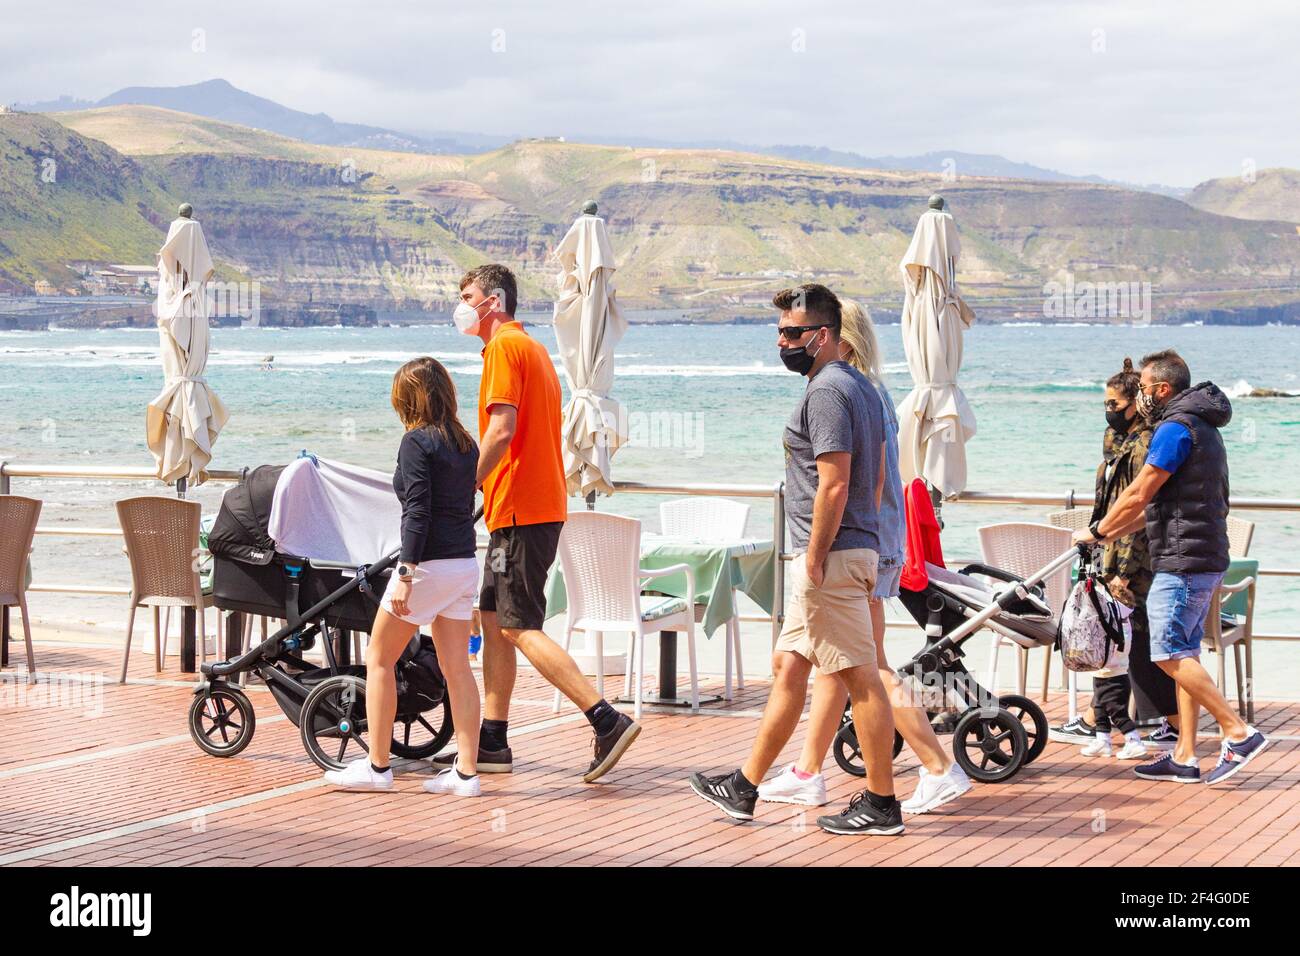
494	279
1168	366
816	301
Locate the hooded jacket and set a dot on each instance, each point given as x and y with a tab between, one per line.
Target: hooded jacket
1187	524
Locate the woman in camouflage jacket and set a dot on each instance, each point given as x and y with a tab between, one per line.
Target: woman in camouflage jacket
1126	562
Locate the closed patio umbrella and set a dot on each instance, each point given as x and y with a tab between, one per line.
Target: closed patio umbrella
588	326
182	422
935	420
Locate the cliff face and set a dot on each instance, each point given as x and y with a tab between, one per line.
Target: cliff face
698	227
332	232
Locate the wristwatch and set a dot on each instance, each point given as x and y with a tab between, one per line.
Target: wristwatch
404	572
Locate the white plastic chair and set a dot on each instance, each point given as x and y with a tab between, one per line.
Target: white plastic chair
711	519
600	555
1021	548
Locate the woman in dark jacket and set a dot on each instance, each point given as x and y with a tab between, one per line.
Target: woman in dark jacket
435	580
1126	562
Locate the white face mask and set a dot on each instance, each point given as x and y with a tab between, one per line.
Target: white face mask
467	318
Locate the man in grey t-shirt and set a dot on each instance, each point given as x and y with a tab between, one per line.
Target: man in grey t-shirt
834	463
835	415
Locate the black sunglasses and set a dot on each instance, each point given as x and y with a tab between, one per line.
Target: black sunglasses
792	332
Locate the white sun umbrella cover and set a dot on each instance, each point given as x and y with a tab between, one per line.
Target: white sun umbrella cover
183	421
935	420
588	326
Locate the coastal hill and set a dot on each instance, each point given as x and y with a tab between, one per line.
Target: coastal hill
1271	194
65	197
693	227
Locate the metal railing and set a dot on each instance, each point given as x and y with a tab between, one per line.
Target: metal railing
774	492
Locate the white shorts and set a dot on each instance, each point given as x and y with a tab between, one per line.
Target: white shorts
442	588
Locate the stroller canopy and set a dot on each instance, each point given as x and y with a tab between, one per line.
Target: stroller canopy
312	508
240	529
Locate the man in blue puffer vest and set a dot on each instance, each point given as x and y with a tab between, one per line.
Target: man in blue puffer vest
1181	497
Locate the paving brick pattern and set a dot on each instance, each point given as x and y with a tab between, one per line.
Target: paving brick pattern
107	775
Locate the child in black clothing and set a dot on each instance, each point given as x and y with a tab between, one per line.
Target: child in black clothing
1111	691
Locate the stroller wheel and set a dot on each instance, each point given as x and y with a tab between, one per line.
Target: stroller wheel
991	749
1032	718
333	721
222	721
420	736
849	755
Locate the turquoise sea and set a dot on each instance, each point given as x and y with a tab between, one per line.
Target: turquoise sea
706	404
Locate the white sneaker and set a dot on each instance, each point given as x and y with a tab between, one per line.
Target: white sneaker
449	781
359	775
933	792
1100	747
1132	750
785	787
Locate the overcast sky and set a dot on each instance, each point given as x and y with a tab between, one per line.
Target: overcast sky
1172	92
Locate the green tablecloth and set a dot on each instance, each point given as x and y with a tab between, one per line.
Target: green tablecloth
1238	570
747	566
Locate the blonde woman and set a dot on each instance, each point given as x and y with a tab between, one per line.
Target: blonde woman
435	580
941	779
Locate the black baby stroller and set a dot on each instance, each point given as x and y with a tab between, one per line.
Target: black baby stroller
318	600
993	737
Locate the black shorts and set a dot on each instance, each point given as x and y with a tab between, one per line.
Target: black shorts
519	558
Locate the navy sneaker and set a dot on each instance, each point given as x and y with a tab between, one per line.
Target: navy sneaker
1077	731
729	792
1169	769
1234	756
1162	738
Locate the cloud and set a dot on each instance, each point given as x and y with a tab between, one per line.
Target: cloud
1138	90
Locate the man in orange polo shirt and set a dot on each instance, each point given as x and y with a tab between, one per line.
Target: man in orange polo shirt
521	472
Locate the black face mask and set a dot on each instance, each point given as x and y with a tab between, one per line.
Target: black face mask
1118	420
798	360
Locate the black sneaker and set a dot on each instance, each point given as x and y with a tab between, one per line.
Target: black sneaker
1163	737
729	792
489	761
610	747
862	818
1077	731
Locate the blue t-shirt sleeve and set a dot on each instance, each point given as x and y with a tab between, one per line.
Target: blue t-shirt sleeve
1170	446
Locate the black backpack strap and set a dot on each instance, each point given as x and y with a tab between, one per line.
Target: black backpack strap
1114	631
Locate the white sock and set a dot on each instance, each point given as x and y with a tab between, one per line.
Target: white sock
1103	736
1133	736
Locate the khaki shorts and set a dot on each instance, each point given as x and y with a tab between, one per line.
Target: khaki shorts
831	625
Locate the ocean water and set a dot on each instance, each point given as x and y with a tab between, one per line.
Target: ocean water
706	404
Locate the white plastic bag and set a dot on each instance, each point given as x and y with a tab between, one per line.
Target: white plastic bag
1093	626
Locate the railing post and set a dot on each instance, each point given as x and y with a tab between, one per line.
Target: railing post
4	477
778	550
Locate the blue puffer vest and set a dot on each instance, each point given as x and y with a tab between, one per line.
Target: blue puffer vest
1186	521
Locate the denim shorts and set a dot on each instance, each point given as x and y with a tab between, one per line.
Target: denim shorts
1177	605
887	578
